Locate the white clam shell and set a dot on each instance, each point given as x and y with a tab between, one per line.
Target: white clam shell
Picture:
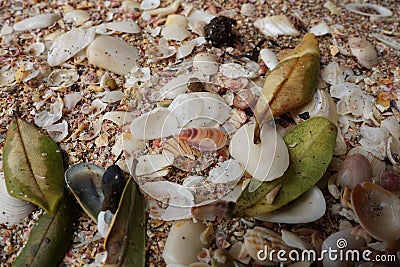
206	63
332	73
186	107
127	142
162	11
46	118
155	124
36	22
62	77
77	17
226	172
178	85
69	44
70	100
276	25
113	96
149	164
234	71
183	243
184	50
112	54
150	4
36	49
364	51
119	117
260	160
343	89
320	29
197	19
58	131
269	58
307	208
128	26
374	140
12	210
393	126
175	32
377	10
179	20
248	9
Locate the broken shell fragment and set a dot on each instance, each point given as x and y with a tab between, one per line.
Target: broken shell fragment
150	4
69	44
175	32
62	77
84	181
307	208
377	210
226	172
355	169
205	139
36	22
269	58
150	164
158	123
77	17
264	162
128	26
393	151
58	131
205	63
12	210
367	9
364	51
183	243
320	29
276	25
112	54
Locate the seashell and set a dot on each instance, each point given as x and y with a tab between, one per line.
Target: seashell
258	239
331	7
234	71
36	22
70	100
141	75
175	32
364	51
195	85
162	11
35	49
206	63
355	169
186	107
320	29
113	96
178	85
332	73
184	50
150	4
84	181
130	5
344	89
366	9
257	159
69	44
6	29
179	148
128	26
62	77
205	139
387	40
389	180
393	126
235	85
321	105
45	118
183	242
374	140
276	25
393	151
293	240
77	17
377	211
150	164
244	99
248	9
104	221
179	20
58	131
307	208
112	54
343	241
7	80
158	123
197	19
12	210
269	58
226	172
179	200
120	118
130	145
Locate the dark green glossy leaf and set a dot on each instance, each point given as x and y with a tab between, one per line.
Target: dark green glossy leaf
33	166
51	236
311	145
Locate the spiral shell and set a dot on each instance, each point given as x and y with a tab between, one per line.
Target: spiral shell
205	139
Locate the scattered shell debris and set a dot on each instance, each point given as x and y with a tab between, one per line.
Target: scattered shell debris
172	84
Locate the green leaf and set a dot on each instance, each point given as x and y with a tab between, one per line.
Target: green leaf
291	83
33	166
125	242
51	236
311	145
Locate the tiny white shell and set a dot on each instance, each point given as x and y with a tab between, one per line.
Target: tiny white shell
128	143
149	164
248	9
307	208
343	89
112	54
364	51
184	50
276	25
228	171
376	10
186	107
36	49
155	124
63	77
162	11
120	118
269	58
36	22
393	151
12	210
332	73
77	17
113	96
259	160
46	118
197	19
320	29
175	32
374	140
393	126
234	71
205	63
178	85
58	131
69	44
150	4
71	100
179	20
128	26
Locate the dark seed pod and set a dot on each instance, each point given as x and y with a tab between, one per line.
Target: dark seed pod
219	31
112	184
195	85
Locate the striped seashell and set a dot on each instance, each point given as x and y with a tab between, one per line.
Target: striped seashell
205	139
177	147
